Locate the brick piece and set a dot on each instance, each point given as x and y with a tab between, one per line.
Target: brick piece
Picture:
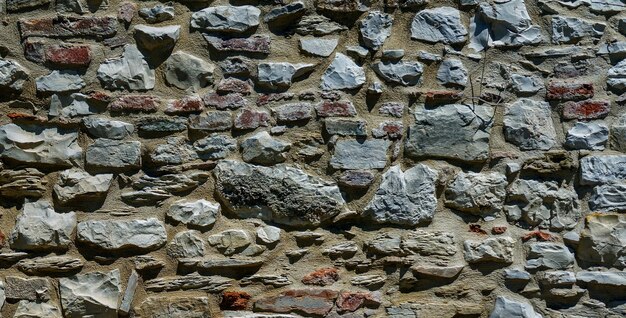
569	91
586	109
66	55
248	118
185	105
335	109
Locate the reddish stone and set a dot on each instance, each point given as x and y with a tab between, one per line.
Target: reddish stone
586	109
321	277
389	129
66	26
234	85
315	302
335	109
3	239
221	102
126	12
135	103
442	97
293	112
498	229
539	235
248	118
211	121
394	109
569	91
99	97
185	105
34	50
26	117
476	228
351	301
253	44
234	300
68	55
265	99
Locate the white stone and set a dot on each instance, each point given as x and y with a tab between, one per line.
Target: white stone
343	73
114	235
442	24
494	249
200	213
226	19
268	234
130	71
589	136
94	294
39	227
528	125
59	81
477	193
318	46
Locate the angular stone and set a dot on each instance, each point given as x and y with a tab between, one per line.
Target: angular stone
273	280
102	127
130	71
477	193
452	73
526	84
68	55
186	244
12	76
430	135
17	288
392	109
20	5
318	47
262	148
39	227
429	243
353	154
590	136
210	284
375	28
200	213
401	73
158	13
368	281
91	294
442	24
616	77
545	255
221	102
149	190
506	307
113	155
232	85
115	235
175	151
345	127
342	73
258	43
597	169
226	19
66	26
405	198
28	309
237	66
318	25
76	184
230	242
358	179
602	241
72	105
528	125
563	91
156	40
250	118
572	30
586	109
220	265
275	75
174	306
335	109
312	302
50	265
22	183
608	197
135	103
215	147
59	81
437	271
186	71
285	15
51	146
311	200
211	121
605	280
161	125
493	249
185	105
321	277
293	112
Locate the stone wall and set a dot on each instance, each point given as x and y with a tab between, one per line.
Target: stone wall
328	158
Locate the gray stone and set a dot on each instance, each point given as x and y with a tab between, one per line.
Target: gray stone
285	15
437	271
59	82
526	84
345	250
114	235
157	13
230	242
603	241
186	244
39	227
393	54
72	105
186	71
354	154
175	151
516	274
401	73
50	265
268	234
616	77
78	185
12	76
215	147
22	183
94	294
280	194
113	155
452	72
345	127
528	125
129	294
430	135
442	24
293	112
477	193
357	51
608	197
200	213
31	309
597	169
343	73
368	281
102	127
385	244
261	148
405	198
494	249
318	47
375	28
610	279
545	255
36	144
556	279
210	284
589	136
318	25
509	308
226	19
279	75
358	179
130	71
211	121
156	40
572	30
543	204
32	289
150	190
2	294
429	243
174	306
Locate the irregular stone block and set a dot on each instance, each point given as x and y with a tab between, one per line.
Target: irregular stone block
477	193
200	213
75	184
352	154
39	227
226	19
109	155
442	24
493	249
66	26
528	125
602	241
114	235
94	293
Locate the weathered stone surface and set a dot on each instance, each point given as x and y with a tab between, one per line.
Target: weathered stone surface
114	235
602	241
226	19
608	197
430	136
200	213
156	39
76	184
285	15
68	55
259	44
244	189
590	136
158	13
597	169
23	183
343	73
135	103
250	118
353	154
12	76
528	125
544	255
318	25
442	24
186	71
452	73
318	47
477	193
186	244
59	81
525	85
130	71
113	155
313	302
186	105
28	309
493	249
586	109
72	105
405	198
50	265
178	306
262	148
148	190
573	30
32	289
616	77
230	242
66	26
94	293
211	121
211	284
335	109
506	307
567	90
293	112
345	127
102	127
375	28
401	73
39	227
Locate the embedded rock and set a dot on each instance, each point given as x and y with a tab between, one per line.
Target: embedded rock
274	75
401	73
375	28
17	288
285	15
545	255
156	40
506	307
200	213
311	302
130	71
186	244
343	73
76	184
354	154
442	24
608	197
318	47
452	73
101	127
230	242
50	265
30	309
91	294
59	82
598	169
318	25
589	136
113	155
186	71
23	183
174	306
528	125
215	147
115	235
603	241
12	76
493	249
158	13
39	227
477	193
226	19
262	148
573	30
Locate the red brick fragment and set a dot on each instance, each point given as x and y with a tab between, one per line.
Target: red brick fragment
321	277
248	118
67	55
539	235
351	301
185	105
234	300
498	229
335	109
476	228
67	26
586	109
569	91
135	103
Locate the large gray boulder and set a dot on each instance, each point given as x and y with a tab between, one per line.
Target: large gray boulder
442	24
458	132
528	125
280	194
39	227
226	19
405	198
94	294
114	235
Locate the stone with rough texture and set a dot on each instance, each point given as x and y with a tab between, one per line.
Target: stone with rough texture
494	249
130	71
608	197
59	82
343	73
230	242
39	227
354	154
318	47
102	127
589	136
375	28
477	193
114	235
156	39
312	302
279	75
174	306
186	71
186	244
50	265
506	307
262	148
544	255
226	19
401	73
12	76
158	13
573	30
598	169
32	289
98	27
452	72
31	309
113	155
602	241
94	293
200	213
75	184
528	125
442	24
